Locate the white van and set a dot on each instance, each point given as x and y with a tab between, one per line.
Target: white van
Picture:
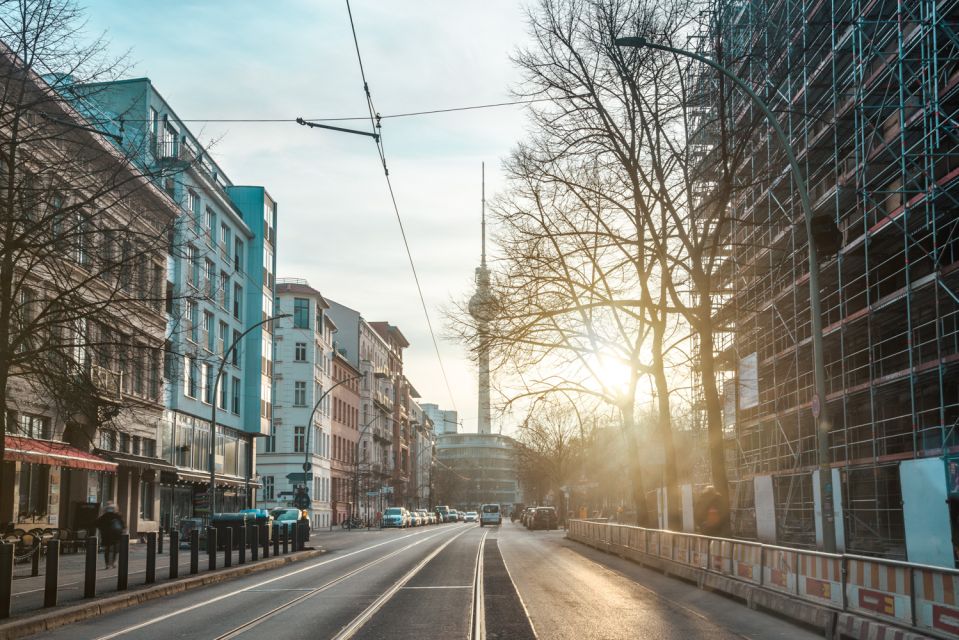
489	514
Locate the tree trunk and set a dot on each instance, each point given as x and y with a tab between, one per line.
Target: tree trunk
714	415
635	467
674	512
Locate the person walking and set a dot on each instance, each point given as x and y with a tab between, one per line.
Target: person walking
712	517
110	525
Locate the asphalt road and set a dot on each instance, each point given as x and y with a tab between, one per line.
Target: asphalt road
448	581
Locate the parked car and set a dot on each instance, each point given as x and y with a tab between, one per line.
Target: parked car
544	518
425	516
470	516
517	511
454	515
490	514
284	516
442	512
524	518
396	517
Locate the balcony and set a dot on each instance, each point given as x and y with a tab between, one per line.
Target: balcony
107	382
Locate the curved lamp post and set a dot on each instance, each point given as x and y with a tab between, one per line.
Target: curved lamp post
819	409
216	399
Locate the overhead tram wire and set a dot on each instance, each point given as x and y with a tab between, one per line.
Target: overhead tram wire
375	121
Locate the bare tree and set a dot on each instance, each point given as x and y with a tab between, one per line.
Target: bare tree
85	234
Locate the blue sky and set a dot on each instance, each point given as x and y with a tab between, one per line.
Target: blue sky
283	59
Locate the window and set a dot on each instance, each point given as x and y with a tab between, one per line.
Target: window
267	491
221	338
237	300
108	440
235	356
299	439
123	444
206	382
300	352
190	377
299	393
135	445
223	394
238	255
193	204
226	239
34	488
209	224
192	317
146	500
224	297
270	445
301	313
192	266
236	396
209	279
207	336
148	447
266	367
31	426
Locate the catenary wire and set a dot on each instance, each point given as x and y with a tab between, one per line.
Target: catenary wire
374	120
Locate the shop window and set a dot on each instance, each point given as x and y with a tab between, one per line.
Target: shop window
146	500
34	489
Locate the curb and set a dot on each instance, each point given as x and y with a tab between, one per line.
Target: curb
47	621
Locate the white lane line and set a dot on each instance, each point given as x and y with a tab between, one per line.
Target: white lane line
450	586
478	612
250	624
518	594
357	623
167	616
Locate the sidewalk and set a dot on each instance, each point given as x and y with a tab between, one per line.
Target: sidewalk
28	591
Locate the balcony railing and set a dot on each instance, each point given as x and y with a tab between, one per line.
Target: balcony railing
107	382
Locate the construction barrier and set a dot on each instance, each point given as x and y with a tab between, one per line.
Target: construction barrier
903	594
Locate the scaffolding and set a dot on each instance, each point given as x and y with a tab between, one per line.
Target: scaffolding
868	93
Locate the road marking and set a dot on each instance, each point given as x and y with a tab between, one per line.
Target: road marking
478	613
451	586
246	626
151	621
518	594
357	623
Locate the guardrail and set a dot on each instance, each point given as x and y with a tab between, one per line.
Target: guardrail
901	594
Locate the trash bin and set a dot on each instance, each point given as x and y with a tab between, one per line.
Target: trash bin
261	518
223	521
186	526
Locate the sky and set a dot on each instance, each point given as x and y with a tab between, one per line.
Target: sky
283	59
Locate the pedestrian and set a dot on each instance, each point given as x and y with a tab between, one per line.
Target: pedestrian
712	516
110	525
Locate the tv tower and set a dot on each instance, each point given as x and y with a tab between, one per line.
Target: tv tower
481	307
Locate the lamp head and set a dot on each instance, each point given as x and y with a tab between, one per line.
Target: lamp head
632	41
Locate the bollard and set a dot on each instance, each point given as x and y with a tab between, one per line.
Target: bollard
211	547
194	552
174	554
151	575
265	538
276	538
286	538
123	551
254	543
228	546
160	542
35	558
91	545
6	579
53	570
241	535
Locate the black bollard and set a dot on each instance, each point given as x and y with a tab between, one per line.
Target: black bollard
194	552
160	542
151	575
91	545
174	554
276	538
297	536
254	543
123	551
241	535
227	546
53	574
265	538
211	547
6	579
286	538
35	558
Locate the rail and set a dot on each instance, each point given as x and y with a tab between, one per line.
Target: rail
919	597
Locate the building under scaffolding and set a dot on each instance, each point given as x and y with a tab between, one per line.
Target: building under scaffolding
868	92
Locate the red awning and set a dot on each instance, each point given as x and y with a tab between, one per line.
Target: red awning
55	454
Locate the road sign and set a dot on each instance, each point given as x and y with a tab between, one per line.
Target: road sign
307	466
372	494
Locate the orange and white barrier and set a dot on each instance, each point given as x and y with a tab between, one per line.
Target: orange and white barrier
937	599
780	569
820	578
879	588
747	561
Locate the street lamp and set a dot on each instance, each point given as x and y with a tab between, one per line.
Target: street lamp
216	399
356	472
309	429
815	230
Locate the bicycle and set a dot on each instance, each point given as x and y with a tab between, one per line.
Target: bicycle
353	523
